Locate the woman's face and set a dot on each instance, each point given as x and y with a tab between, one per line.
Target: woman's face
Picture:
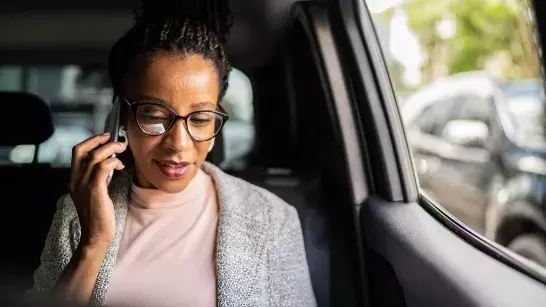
184	83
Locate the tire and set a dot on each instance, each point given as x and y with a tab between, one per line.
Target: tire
530	246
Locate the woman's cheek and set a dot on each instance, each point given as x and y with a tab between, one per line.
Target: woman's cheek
202	150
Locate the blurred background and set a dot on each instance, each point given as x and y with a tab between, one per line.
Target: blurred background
467	75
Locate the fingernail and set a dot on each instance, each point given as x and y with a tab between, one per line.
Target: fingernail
106	133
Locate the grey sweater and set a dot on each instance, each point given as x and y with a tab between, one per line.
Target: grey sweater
260	253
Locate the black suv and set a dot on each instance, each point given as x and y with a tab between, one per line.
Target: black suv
479	149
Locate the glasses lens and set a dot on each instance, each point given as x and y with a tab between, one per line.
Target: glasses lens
154	119
204	125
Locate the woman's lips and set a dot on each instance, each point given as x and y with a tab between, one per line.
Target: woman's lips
171	169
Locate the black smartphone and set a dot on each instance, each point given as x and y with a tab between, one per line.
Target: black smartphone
112	125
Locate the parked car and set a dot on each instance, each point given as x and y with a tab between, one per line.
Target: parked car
480	151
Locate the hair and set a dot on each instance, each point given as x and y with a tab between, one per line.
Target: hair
188	27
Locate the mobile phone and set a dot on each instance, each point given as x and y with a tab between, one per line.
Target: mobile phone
112	125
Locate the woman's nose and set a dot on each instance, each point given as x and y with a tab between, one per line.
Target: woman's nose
177	138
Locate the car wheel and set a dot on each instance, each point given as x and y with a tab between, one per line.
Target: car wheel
530	246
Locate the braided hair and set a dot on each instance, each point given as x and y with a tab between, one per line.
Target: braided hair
179	26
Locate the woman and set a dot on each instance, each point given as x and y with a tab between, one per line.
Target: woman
171	230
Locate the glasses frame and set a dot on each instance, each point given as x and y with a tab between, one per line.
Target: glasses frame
135	105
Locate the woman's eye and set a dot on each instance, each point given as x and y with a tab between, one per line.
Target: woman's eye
152	113
202	120
149	116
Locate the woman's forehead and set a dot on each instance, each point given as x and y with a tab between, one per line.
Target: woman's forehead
179	81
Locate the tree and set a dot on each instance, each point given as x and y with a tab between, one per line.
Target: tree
485	30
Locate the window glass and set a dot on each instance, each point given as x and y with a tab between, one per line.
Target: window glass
492	136
11	78
525	101
433	118
476	108
80	97
238	132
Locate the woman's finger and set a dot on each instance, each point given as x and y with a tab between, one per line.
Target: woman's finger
79	152
105	151
100	154
102	169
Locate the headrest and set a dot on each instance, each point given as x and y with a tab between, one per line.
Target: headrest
26	119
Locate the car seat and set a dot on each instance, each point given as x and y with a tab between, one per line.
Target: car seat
29	191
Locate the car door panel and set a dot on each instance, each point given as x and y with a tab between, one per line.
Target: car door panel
435	267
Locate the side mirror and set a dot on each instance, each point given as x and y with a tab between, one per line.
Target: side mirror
468	133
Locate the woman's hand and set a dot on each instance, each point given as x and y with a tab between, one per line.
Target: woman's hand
91	163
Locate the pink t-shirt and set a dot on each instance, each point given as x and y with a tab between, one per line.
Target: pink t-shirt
167	251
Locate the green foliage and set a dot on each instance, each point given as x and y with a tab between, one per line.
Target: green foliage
484	29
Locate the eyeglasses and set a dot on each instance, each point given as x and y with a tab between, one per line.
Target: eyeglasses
156	119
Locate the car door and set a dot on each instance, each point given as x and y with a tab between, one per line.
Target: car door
468	160
430	150
415	252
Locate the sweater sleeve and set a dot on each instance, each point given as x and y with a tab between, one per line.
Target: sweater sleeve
61	242
289	271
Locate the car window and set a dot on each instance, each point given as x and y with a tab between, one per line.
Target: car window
460	48
526	105
80	97
239	130
474	107
11	78
434	117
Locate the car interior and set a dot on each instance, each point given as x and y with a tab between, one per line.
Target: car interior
328	140
296	154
